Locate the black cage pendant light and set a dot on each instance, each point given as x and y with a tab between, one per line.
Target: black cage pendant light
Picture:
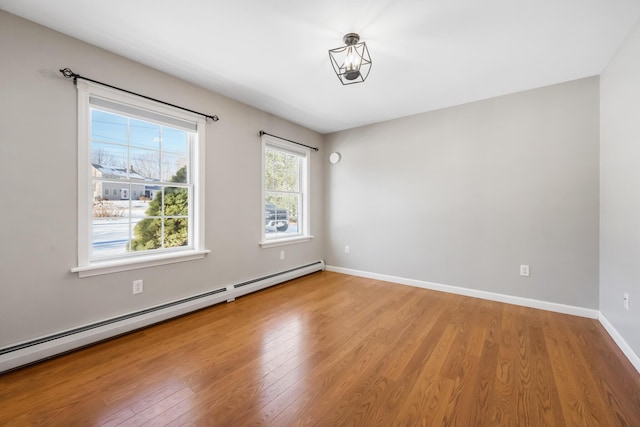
352	62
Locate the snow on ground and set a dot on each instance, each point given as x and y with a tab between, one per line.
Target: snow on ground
111	234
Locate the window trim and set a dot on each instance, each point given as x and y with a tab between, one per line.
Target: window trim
304	235
85	267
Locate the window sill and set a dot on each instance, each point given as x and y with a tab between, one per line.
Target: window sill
285	241
114	266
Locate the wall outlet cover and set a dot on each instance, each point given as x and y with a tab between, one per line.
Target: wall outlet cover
626	301
138	286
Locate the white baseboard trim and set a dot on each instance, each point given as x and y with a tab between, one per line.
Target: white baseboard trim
620	342
509	299
46	348
25	353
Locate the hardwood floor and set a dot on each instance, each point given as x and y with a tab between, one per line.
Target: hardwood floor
333	350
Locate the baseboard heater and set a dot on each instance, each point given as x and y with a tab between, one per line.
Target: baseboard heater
42	348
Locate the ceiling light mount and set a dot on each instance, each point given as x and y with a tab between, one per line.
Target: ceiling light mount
351	38
352	62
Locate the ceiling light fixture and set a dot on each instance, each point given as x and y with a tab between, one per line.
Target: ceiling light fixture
352	62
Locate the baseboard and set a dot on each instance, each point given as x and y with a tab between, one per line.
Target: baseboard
45	347
509	299
31	351
620	342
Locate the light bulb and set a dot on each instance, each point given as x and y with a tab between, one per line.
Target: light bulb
350	61
351	64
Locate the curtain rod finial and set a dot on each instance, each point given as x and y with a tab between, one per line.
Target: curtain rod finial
67	73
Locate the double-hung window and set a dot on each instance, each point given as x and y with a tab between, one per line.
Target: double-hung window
140	182
285	192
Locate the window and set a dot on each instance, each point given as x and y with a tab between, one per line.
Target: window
285	192
129	144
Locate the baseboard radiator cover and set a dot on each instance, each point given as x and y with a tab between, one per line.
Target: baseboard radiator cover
42	348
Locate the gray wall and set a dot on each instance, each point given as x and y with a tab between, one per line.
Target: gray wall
620	190
38	151
464	195
459	196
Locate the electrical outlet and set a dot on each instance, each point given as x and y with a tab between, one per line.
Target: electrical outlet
347	250
281	255
138	286
626	301
524	270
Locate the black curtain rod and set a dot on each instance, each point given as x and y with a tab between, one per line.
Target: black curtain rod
288	140
68	74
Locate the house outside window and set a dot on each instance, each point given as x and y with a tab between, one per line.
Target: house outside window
129	145
285	192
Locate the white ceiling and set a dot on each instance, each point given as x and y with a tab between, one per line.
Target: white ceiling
427	54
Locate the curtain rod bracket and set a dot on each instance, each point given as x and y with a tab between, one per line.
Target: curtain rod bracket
67	73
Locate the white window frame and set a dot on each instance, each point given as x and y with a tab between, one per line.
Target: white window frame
303	234
87	267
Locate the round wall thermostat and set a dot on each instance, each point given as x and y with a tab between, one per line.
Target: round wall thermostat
334	158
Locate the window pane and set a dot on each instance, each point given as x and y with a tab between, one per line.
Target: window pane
108	127
139	208
109	208
174	168
176	201
147	234
293	203
145	164
281	171
144	134
281	215
110	156
110	236
293	173
174	140
176	232
147	231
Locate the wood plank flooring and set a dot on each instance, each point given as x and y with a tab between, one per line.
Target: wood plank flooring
336	350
